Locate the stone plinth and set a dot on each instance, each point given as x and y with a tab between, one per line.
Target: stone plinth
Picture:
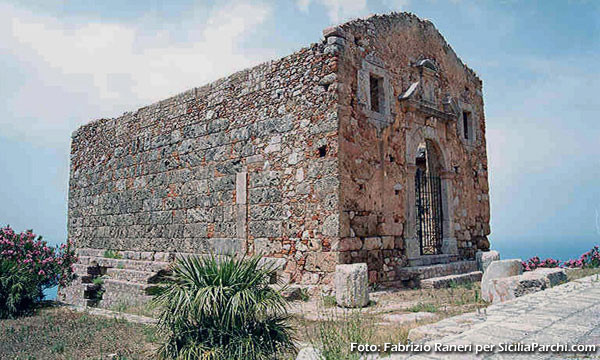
497	270
351	285
508	288
485	258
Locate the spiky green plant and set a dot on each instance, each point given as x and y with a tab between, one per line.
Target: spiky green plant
19	289
220	307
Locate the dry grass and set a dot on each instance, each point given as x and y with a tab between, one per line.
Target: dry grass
335	330
574	274
328	327
141	310
60	333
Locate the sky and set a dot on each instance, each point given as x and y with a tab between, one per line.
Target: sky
65	63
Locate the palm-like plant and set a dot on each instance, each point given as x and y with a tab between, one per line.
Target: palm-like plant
220	307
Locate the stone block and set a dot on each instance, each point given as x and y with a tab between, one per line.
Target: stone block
349	244
388	242
497	270
552	276
508	288
351	285
407	318
485	258
321	261
372	243
449	246
309	353
333	31
267	246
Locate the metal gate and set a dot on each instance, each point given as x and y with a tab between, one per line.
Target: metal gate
429	212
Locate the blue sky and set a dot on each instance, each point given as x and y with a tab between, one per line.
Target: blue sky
63	64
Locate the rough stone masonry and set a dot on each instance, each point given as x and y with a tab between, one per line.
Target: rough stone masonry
311	160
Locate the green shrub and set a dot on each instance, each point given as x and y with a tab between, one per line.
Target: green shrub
28	265
19	290
222	308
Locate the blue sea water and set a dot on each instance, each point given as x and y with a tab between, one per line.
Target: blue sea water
50	294
560	248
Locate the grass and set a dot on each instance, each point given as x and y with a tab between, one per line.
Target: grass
60	333
109	254
141	309
329	301
334	332
335	328
423	307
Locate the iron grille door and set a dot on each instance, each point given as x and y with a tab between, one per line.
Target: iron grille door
429	212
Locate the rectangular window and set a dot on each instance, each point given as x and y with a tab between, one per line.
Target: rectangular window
375	92
466	124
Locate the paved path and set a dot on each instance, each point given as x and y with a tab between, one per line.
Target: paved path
566	314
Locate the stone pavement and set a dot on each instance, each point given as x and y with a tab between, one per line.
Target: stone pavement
566	314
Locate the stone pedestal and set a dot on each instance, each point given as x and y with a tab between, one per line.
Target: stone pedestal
485	258
351	285
498	269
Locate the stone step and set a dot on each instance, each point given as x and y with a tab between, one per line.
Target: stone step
136	276
119	292
126	254
448	280
433	260
131	287
85	269
420	273
141	265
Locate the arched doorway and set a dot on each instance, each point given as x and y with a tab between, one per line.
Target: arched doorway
428	200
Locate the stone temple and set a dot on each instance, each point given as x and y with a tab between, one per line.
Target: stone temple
368	147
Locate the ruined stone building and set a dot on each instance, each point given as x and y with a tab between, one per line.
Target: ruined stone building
368	146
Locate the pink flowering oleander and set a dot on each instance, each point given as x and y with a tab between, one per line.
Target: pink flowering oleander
589	259
51	264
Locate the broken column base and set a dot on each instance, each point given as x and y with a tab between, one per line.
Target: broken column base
351	285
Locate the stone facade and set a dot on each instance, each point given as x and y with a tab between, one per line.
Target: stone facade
426	91
300	159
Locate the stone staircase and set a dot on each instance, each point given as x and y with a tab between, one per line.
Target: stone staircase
113	282
439	275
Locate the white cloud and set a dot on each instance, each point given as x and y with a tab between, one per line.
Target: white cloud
79	69
337	10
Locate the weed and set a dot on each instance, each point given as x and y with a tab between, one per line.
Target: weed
58	348
303	294
329	301
423	307
120	307
110	254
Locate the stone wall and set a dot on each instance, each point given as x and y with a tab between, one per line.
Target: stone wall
247	164
378	150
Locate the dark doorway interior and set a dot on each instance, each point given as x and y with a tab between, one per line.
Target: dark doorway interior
428	200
